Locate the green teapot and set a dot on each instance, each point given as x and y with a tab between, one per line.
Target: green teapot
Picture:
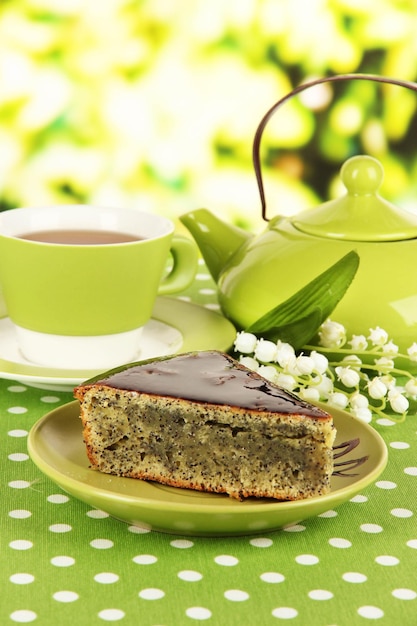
255	273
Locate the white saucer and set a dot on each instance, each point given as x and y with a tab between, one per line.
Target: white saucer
175	326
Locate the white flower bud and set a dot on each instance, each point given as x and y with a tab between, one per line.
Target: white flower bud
266	351
412	352
377	389
348	376
384	364
338	400
310	394
269	372
363	413
398	401
321	362
249	362
358	343
378	336
332	334
411	387
304	364
286	381
245	342
285	353
390	349
359	401
353	361
324	384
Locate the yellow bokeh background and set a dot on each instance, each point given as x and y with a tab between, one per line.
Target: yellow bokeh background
154	103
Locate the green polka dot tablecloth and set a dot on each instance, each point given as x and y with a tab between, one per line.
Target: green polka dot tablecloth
64	563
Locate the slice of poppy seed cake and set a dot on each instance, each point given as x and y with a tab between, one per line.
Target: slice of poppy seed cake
203	421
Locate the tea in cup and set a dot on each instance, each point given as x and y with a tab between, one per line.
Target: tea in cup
79	282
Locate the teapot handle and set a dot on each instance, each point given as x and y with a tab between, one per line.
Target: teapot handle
294	92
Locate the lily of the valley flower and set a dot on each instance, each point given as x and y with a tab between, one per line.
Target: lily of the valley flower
378	336
398	401
354	382
377	389
348	376
332	334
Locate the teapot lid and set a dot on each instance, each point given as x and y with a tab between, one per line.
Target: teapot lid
361	214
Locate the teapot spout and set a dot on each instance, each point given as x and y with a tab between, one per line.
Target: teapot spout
217	240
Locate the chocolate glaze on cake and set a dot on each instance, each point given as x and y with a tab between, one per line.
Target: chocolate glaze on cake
211	377
204	421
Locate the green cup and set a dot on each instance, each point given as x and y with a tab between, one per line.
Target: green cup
84	304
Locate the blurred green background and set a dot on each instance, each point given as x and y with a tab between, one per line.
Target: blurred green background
154	103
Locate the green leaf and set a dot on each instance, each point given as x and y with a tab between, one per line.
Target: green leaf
302	314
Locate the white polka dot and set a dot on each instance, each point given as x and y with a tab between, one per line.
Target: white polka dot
23	616
285	612
18	432
296	528
412	543
212	307
181	543
144	559
387	560
57	498
151	594
320	594
261	542
236	595
411	471
101	544
60	528
111	615
338	542
207	292
329	514
386	484
272	577
97	514
359	499
22	579
65	596
21	544
18	457
402	513
139	530
399	445
17	410
371	528
16	388
190	575
49	399
307	559
198	613
20	514
19	484
106	578
354	577
202	276
385	422
226	559
62	561
370	612
404	594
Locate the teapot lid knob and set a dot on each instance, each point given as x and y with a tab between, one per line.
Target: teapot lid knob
361	214
362	175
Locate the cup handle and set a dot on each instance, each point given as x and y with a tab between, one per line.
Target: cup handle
185	259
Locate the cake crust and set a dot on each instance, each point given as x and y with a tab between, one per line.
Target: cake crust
203	421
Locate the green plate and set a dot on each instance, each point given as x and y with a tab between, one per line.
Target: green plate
56	446
176	326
